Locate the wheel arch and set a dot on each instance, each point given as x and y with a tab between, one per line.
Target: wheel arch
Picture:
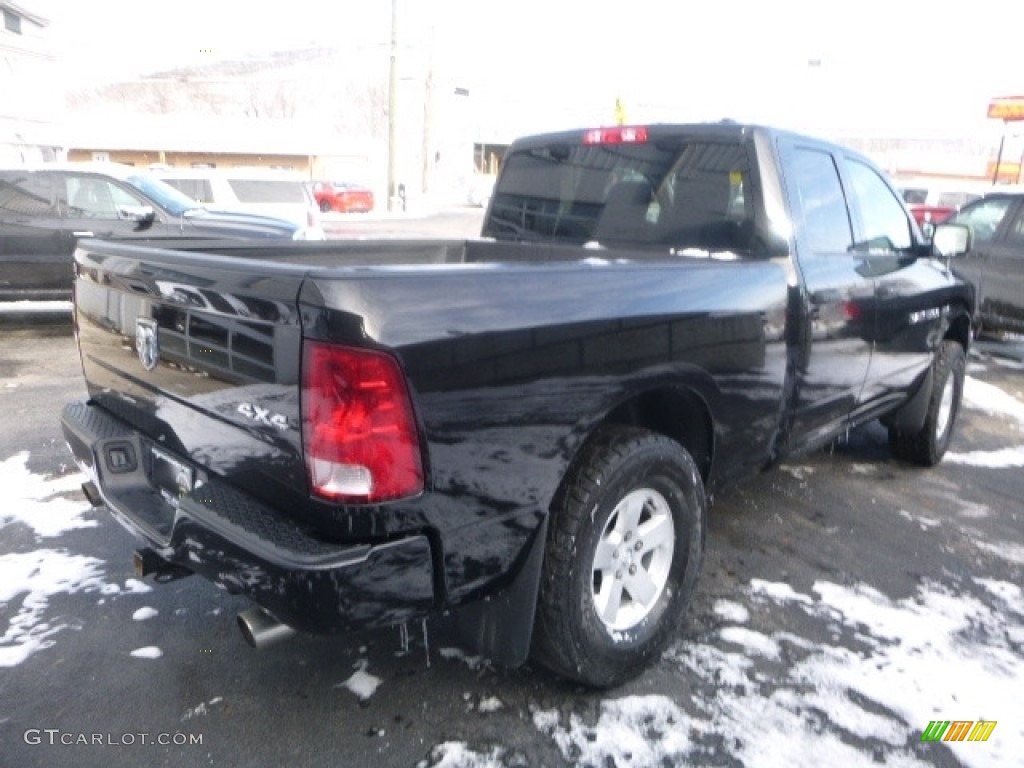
960	328
677	412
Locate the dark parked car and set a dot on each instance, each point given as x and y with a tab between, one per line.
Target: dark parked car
46	209
995	264
344	196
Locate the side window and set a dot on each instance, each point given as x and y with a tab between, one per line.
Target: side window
886	225
27	195
1016	232
91	197
824	219
984	218
121	196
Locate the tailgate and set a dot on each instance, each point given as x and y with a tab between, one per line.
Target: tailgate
201	354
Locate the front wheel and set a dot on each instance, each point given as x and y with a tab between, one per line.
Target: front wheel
927	446
624	549
325	206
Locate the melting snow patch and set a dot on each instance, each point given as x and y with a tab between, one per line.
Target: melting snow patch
1013	553
777	591
456	754
799	473
362	683
475	663
490	704
36	501
39	576
731	611
145	613
1004	458
991	399
637	731
753	641
148	652
972	510
921	520
202	709
934	655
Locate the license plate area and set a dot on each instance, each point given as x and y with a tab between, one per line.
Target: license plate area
171	477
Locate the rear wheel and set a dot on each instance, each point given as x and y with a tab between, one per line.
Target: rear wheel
624	550
928	445
325	206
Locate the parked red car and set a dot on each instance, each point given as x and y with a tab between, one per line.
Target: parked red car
343	196
933	205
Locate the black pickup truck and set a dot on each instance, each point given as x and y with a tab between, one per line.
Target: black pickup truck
517	433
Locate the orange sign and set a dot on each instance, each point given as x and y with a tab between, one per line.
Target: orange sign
1008	108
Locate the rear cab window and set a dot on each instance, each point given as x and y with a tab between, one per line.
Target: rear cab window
27	194
674	192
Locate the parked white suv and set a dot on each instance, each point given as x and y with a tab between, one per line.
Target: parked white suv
279	194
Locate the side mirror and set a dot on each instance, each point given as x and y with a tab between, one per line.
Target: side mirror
140	214
951	240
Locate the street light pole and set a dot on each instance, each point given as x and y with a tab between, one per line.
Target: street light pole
392	102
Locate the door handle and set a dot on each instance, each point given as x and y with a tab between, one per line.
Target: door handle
84	233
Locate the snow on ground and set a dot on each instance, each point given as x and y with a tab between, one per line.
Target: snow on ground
36	501
30	580
633	730
362	683
147	652
202	709
990	399
145	612
781	699
38	576
457	754
1004	458
933	656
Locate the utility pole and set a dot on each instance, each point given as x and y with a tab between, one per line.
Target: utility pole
392	118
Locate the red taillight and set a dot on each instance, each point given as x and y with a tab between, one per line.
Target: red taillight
618	134
360	435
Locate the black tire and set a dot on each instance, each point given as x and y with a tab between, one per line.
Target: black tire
325	206
928	445
626	484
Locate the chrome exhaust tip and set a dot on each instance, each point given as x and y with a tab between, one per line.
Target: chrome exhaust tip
260	629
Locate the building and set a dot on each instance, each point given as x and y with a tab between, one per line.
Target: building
32	97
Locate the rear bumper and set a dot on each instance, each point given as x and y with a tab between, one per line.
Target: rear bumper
245	546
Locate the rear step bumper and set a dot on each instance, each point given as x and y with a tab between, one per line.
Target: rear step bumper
245	546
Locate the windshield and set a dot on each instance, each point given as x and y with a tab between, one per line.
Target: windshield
164	195
685	193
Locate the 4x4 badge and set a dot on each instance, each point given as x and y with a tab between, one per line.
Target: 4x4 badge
147	343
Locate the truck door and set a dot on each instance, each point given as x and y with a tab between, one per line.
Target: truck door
909	288
34	262
834	348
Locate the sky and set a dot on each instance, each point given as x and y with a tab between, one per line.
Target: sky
881	67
